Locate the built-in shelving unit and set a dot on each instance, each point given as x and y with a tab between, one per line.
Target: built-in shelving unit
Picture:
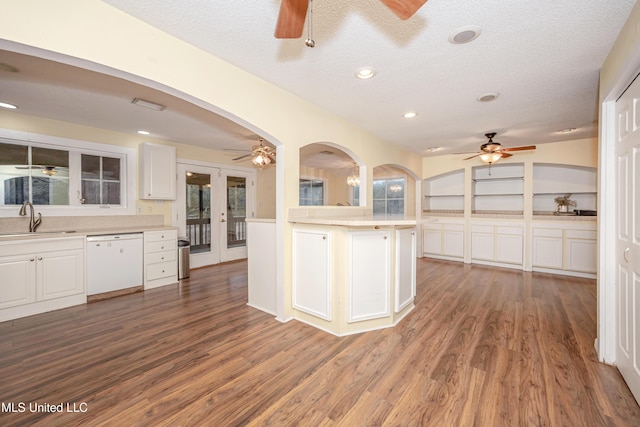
554	180
444	193
498	189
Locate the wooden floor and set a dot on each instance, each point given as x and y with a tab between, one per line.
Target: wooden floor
483	347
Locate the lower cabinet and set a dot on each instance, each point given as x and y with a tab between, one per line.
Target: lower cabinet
41	276
497	244
559	249
443	240
160	258
369	275
348	280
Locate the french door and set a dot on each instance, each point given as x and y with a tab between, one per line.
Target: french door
212	205
628	237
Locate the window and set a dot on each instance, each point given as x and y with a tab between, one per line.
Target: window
100	180
63	176
388	196
311	192
35	174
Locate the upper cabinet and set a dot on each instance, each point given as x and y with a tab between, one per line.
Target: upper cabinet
157	171
551	181
498	189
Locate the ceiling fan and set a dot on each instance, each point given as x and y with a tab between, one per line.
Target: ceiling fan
293	12
47	170
261	154
491	152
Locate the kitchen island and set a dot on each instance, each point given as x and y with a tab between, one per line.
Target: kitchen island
353	274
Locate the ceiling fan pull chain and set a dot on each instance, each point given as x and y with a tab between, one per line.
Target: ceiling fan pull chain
309	41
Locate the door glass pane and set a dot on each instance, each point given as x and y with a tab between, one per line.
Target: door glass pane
199	211
236	211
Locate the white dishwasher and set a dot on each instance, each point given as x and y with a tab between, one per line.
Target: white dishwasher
114	262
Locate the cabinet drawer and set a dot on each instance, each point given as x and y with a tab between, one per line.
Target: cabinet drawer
482	229
547	232
581	234
160	236
169	245
161	270
515	231
453	227
160	257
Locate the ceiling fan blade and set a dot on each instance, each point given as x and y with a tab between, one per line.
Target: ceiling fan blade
404	9
526	147
243	157
476	155
505	155
291	19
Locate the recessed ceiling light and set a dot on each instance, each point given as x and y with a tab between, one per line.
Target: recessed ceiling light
148	104
365	73
488	97
143	132
409	115
567	130
8	106
465	34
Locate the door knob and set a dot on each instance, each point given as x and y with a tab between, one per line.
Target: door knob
223	220
626	255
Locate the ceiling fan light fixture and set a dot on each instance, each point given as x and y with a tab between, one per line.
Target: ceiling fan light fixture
465	34
49	171
353	180
365	73
490	157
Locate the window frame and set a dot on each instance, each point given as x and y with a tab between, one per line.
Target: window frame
386	199
75	147
324	188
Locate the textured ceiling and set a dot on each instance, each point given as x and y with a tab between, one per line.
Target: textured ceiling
542	57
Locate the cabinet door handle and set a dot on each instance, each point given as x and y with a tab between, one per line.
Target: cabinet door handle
324	237
39	258
32	259
385	237
626	255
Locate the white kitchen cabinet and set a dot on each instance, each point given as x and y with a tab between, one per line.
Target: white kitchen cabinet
312	272
40	276
369	281
581	250
351	278
547	247
565	249
160	258
157	171
498	244
18	280
405	286
443	240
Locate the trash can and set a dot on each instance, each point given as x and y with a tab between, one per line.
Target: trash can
183	258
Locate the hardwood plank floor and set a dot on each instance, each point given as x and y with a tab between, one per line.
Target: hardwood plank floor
483	347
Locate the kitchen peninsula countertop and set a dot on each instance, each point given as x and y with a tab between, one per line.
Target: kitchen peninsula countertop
357	221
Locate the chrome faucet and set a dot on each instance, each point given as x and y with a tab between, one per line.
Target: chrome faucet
33	223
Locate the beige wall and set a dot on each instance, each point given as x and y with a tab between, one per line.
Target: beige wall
579	152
